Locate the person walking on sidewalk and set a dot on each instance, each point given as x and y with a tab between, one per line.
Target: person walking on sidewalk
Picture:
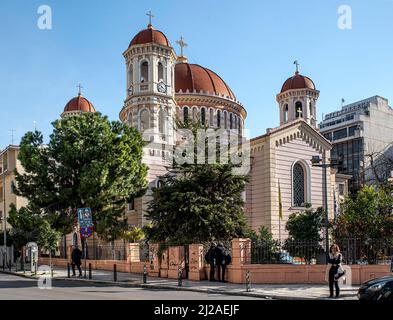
334	260
223	259
211	259
76	260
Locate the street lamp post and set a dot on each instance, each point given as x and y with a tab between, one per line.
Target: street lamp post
318	162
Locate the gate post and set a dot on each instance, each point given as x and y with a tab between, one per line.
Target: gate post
196	263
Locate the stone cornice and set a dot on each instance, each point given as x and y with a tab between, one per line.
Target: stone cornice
296	93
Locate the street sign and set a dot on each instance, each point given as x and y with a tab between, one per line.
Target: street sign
85	220
86	232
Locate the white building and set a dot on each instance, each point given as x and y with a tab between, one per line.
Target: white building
362	135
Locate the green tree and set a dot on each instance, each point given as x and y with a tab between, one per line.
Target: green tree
366	223
265	248
198	203
26	226
133	235
88	162
304	233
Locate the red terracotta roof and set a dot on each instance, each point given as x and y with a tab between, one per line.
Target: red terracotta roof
150	35
79	103
298	82
195	77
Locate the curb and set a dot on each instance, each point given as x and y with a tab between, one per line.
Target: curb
168	287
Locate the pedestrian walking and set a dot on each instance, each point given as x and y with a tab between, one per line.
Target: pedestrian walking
223	260
335	268
76	260
211	259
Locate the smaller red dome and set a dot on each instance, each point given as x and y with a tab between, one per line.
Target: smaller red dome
79	103
150	35
298	82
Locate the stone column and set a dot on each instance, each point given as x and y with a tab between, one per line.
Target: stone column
241	255
196	265
176	259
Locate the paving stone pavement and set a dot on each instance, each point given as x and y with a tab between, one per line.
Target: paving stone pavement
287	292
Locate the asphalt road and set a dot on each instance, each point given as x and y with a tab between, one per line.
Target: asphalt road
18	288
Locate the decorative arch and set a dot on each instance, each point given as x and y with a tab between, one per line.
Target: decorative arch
285	112
160	70
299	109
185	115
144	120
144	71
203	116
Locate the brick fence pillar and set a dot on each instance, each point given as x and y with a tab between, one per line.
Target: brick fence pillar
176	259
154	268
133	252
196	264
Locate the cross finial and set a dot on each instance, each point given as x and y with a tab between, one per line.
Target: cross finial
150	15
80	89
297	66
12	132
182	45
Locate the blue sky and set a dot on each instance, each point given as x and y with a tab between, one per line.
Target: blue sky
250	44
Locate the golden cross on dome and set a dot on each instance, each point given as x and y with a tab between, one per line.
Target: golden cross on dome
297	66
150	15
80	89
182	45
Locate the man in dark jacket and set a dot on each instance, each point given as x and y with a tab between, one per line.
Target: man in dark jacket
210	258
223	259
76	260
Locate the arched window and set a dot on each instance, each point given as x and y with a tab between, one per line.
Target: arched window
286	110
211	118
144	120
230	121
145	72
161	121
130	75
235	122
203	116
299	109
310	106
160	72
129	120
298	185
218	119
160	183
185	115
225	119
239	125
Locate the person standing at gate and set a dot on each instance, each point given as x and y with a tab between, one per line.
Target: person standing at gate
76	260
223	259
211	259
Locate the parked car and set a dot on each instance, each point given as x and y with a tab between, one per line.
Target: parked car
380	289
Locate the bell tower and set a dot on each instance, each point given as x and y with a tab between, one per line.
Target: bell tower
298	99
150	104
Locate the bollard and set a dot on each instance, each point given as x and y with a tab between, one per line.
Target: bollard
68	270
10	266
144	273
180	277
114	273
248	280
90	276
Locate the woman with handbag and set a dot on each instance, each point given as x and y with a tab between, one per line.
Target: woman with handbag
335	271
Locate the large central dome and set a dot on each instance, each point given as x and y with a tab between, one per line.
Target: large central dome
195	77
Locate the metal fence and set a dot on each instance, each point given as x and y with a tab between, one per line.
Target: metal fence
354	251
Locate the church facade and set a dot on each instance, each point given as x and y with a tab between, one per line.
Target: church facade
162	87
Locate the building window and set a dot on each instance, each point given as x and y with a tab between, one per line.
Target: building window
131	205
310	106
185	115
286	113
160	184
230	121
160	72
298	185
129	119
144	72
340	134
130	75
225	119
351	131
328	136
218	119
299	109
341	188
203	116
161	121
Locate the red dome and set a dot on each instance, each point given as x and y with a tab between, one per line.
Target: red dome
298	82
194	77
79	103
150	35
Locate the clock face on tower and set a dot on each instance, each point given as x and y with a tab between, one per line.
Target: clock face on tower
130	90
161	87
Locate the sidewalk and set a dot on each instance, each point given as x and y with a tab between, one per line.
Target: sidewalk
282	292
